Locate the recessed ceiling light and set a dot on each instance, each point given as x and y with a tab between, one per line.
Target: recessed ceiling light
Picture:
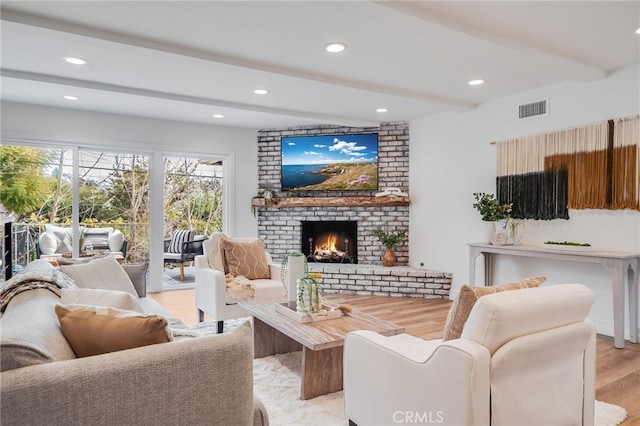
335	47
75	61
475	82
71	98
218	115
638	31
261	91
382	110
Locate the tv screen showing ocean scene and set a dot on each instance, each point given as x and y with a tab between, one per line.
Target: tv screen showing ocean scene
330	163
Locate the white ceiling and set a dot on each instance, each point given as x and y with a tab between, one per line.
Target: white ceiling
183	60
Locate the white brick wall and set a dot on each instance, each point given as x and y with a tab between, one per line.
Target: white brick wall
377	280
280	228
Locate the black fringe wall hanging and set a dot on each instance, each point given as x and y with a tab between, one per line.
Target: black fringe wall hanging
591	167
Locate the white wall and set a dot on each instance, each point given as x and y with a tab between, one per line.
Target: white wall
451	158
91	129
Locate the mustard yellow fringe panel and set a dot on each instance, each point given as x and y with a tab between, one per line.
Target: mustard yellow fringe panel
599	171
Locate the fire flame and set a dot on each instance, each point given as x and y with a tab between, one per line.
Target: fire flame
329	244
326	247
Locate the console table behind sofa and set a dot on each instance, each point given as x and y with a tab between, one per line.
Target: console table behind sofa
618	264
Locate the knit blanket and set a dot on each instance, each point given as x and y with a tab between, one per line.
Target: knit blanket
49	279
239	287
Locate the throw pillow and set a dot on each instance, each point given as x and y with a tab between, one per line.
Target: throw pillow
246	258
62	235
92	330
97	297
461	308
178	238
137	273
104	273
116	239
97	237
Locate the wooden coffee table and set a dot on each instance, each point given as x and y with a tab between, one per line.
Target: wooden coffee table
321	342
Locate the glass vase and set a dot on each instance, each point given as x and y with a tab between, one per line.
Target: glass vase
309	300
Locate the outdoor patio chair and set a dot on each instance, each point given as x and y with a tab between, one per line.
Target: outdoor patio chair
183	246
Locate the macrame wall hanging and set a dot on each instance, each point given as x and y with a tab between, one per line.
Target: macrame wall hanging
590	167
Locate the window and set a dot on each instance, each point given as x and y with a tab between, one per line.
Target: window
192	195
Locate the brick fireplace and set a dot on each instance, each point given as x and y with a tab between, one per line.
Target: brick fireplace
281	225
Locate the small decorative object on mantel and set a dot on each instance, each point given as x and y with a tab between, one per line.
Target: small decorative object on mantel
502	228
268	196
389	239
392	192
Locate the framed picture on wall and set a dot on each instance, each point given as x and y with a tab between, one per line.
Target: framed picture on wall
330	162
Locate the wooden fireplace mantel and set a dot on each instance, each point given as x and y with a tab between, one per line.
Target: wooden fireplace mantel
289	202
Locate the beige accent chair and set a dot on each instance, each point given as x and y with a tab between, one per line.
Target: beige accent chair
211	294
525	357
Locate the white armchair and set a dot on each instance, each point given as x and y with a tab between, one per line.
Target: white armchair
211	294
525	357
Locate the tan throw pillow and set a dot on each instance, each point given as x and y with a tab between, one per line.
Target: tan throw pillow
104	273
246	258
97	297
92	330
461	308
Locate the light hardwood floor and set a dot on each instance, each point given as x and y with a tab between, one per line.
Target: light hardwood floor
617	370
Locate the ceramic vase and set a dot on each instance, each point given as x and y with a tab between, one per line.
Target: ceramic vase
388	258
295	271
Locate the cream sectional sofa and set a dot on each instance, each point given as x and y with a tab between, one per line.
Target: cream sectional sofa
190	381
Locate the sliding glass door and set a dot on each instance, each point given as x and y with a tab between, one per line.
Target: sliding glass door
83	192
193	202
114	195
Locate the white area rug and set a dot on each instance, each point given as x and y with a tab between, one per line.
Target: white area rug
276	381
608	414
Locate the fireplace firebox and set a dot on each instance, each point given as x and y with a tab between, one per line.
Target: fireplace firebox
330	241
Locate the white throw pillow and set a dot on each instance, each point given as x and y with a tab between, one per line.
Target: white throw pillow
104	273
97	297
48	243
62	235
116	239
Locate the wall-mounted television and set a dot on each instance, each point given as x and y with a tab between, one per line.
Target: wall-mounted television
330	163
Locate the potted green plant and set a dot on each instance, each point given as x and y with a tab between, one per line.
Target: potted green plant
490	208
389	240
268	196
499	215
309	299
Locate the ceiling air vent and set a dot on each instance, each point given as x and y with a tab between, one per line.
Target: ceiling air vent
533	109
